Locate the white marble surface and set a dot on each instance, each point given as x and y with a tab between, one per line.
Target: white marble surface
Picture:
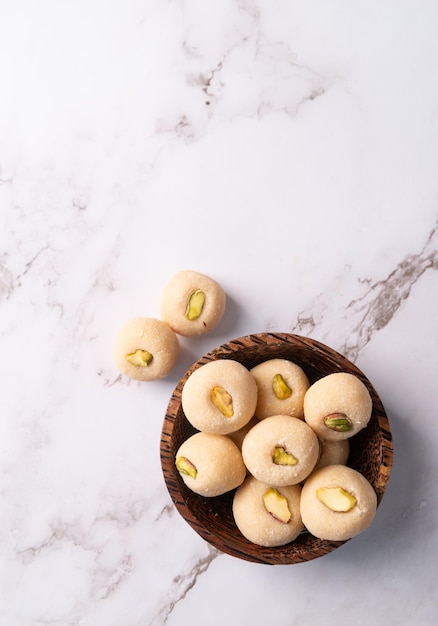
289	150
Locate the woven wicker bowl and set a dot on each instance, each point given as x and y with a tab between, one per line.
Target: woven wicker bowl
371	450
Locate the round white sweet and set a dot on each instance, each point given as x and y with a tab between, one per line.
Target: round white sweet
207	306
268	401
325	523
225	377
340	394
256	523
333	452
218	463
239	435
145	349
292	435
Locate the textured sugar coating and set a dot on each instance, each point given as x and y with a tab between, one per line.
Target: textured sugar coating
218	462
268	403
324	523
256	523
198	406
150	335
239	435
175	303
333	452
338	393
289	433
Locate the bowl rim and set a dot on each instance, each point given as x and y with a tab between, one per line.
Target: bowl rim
183	498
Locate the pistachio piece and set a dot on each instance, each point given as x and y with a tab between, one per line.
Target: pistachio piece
184	466
276	504
139	358
222	400
195	305
281	457
280	387
338	422
336	499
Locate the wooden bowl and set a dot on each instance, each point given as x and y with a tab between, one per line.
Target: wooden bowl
371	450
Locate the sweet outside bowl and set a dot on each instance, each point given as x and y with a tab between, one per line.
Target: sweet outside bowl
371	450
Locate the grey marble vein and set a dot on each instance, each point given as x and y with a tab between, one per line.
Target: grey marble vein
373	309
182	584
377	306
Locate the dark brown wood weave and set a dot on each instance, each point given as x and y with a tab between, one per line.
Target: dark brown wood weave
371	450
